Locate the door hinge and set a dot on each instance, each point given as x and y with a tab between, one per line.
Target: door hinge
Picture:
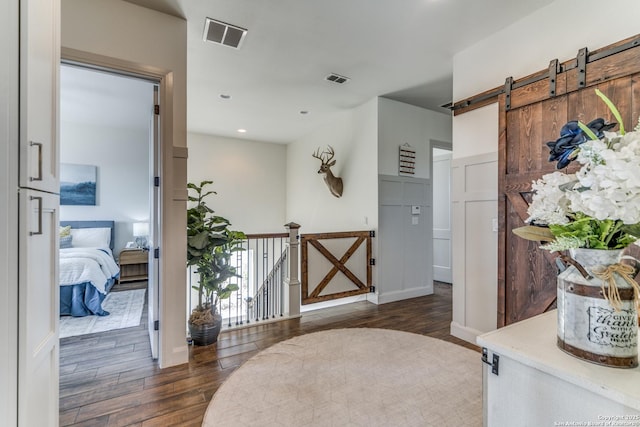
156	109
495	364
156	181
372	261
372	233
372	289
156	325
156	253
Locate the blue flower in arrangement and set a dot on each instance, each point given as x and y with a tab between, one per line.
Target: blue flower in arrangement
565	149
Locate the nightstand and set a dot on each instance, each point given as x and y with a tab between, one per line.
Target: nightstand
133	265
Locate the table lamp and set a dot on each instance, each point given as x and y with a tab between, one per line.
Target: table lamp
141	232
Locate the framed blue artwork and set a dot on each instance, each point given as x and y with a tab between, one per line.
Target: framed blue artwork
77	184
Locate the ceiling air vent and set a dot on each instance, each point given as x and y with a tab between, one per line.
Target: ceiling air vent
337	78
222	33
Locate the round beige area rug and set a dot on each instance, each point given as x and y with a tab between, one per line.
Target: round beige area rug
353	377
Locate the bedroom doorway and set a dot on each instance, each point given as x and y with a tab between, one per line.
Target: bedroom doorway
109	122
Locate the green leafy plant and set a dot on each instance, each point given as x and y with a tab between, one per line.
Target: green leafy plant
592	233
210	245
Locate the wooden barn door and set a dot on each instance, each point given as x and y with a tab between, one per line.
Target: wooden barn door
532	112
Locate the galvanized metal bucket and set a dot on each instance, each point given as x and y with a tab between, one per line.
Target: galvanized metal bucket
589	327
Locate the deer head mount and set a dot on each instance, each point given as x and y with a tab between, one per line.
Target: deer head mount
333	182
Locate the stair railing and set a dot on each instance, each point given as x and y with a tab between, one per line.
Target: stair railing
268	286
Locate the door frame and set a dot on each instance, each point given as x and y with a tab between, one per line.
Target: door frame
9	103
164	80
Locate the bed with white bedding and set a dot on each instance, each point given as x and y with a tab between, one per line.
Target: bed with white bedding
87	269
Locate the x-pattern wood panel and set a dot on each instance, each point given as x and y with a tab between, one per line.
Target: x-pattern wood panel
338	265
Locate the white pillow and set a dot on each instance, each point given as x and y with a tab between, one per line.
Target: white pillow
91	237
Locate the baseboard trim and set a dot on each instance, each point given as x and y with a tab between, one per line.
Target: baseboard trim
465	333
178	356
386	297
333	303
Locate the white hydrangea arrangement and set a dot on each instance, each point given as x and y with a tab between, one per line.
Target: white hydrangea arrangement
598	207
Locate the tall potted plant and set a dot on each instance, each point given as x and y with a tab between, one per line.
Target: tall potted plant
210	245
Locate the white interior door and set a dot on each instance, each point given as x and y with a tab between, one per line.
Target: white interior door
153	302
442	255
39	308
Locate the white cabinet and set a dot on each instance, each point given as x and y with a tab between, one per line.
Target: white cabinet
29	302
39	76
540	385
37	212
39	309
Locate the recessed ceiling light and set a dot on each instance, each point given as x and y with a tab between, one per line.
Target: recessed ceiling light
304	112
225	96
242	130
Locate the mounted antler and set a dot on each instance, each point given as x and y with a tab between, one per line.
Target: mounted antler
333	182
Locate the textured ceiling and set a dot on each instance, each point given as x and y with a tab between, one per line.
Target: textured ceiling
402	50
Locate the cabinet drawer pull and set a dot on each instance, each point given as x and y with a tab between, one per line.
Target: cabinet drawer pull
39	199
39	145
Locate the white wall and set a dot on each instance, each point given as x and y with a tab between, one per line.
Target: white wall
118	32
474	206
353	135
475	132
403	123
400	123
249	177
475	245
405	250
524	47
123	178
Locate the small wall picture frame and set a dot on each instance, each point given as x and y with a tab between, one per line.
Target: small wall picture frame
406	160
78	184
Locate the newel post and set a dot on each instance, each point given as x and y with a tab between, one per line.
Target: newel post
292	282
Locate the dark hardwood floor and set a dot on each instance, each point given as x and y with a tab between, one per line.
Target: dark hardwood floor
109	379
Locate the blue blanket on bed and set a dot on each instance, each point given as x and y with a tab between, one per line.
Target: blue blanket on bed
83	299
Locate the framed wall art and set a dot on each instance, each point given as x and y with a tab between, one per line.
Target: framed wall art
406	160
78	184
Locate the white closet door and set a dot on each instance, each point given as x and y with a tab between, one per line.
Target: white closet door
442	254
38	309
